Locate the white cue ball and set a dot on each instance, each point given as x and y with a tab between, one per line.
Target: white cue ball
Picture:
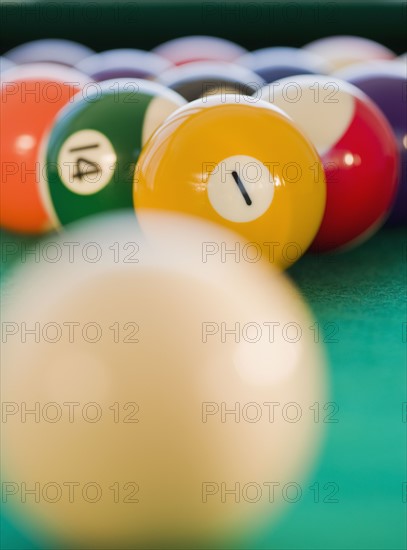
133	378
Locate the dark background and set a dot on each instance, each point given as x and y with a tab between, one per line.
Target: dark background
253	24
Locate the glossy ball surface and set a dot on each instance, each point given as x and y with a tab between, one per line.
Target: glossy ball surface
241	164
95	143
358	150
204	78
31	97
385	83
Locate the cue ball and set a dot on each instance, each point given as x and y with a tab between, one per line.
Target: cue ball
358	150
385	83
241	164
340	51
123	63
31	97
205	78
199	48
93	147
133	376
49	50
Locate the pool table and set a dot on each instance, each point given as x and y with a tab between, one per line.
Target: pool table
356	496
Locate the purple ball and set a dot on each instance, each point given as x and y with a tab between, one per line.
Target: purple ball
123	63
276	63
385	82
49	50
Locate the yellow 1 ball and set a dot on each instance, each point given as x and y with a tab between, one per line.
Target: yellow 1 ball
241	163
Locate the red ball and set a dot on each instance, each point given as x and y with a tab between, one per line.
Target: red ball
31	96
358	149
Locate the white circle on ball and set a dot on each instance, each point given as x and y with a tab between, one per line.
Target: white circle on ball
240	188
86	162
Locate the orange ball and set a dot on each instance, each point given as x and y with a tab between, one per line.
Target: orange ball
31	96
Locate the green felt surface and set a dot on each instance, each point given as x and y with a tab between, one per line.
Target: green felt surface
362	294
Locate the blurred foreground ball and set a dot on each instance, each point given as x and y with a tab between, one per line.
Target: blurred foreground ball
153	376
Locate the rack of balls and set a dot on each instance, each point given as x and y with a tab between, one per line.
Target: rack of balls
286	150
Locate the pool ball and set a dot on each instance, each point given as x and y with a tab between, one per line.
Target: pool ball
5	64
123	63
385	83
340	51
275	63
31	97
203	78
199	48
92	149
241	164
135	444
358	150
49	50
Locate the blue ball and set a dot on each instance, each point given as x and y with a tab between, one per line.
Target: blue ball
276	63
